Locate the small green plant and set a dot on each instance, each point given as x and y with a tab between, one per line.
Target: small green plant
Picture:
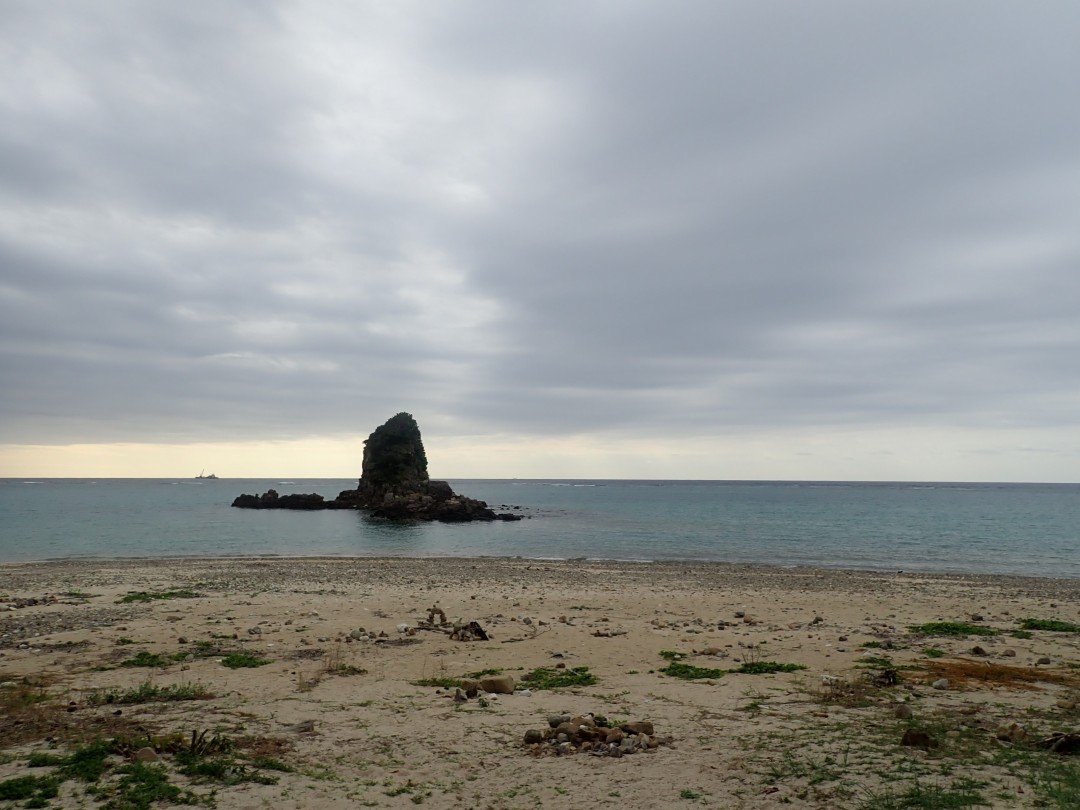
244	661
672	655
545	678
1021	634
952	629
933	652
151	596
766	667
688	672
686	793
1051	625
872	645
148	659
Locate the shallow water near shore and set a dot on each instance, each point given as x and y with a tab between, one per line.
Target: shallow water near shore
1025	529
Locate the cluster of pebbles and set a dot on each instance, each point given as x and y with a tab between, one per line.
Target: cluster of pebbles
593	734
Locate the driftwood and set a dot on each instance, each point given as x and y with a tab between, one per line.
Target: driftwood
1061	742
469	632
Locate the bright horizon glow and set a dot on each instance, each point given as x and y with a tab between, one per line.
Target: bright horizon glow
923	454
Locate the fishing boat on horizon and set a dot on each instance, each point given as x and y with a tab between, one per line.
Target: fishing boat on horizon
203	476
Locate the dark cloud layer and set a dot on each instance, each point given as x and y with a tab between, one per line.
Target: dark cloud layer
253	221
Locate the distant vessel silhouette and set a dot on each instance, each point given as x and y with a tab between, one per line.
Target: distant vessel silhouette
203	475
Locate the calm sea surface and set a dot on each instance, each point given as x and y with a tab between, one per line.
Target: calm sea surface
978	528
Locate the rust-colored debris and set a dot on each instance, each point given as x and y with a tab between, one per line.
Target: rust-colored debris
984	673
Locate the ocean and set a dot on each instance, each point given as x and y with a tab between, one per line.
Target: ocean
1022	529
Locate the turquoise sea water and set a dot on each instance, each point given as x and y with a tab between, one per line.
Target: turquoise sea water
1031	529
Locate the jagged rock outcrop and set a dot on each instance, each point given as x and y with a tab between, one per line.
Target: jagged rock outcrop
271	500
394	484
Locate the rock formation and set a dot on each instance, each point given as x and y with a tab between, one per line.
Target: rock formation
394	484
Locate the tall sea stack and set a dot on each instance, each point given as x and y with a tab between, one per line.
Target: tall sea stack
394	461
394	484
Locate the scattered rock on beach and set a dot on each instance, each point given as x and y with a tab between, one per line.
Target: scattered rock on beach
918	738
593	735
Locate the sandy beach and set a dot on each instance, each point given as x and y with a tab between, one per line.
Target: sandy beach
356	703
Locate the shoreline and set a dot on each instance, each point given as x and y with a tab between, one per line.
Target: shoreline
451	562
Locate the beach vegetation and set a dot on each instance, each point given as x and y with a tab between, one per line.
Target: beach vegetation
35	789
21	696
672	655
148	659
933	652
766	667
1024	634
872	645
483	673
959	794
688	672
1050	625
546	678
148	692
439	682
151	596
244	661
952	629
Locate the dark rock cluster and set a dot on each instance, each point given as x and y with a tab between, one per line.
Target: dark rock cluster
593	734
394	484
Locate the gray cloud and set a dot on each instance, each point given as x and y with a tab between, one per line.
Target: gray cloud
237	222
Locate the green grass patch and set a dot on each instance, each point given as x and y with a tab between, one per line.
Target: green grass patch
545	678
223	770
483	673
1052	625
153	596
671	655
766	667
1021	634
244	661
952	629
688	672
933	652
440	682
148	659
141	785
36	790
960	794
147	692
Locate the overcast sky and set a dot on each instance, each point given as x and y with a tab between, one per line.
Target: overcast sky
581	239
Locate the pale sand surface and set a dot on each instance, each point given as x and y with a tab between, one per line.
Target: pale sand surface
380	740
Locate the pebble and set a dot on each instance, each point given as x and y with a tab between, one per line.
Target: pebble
941	683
